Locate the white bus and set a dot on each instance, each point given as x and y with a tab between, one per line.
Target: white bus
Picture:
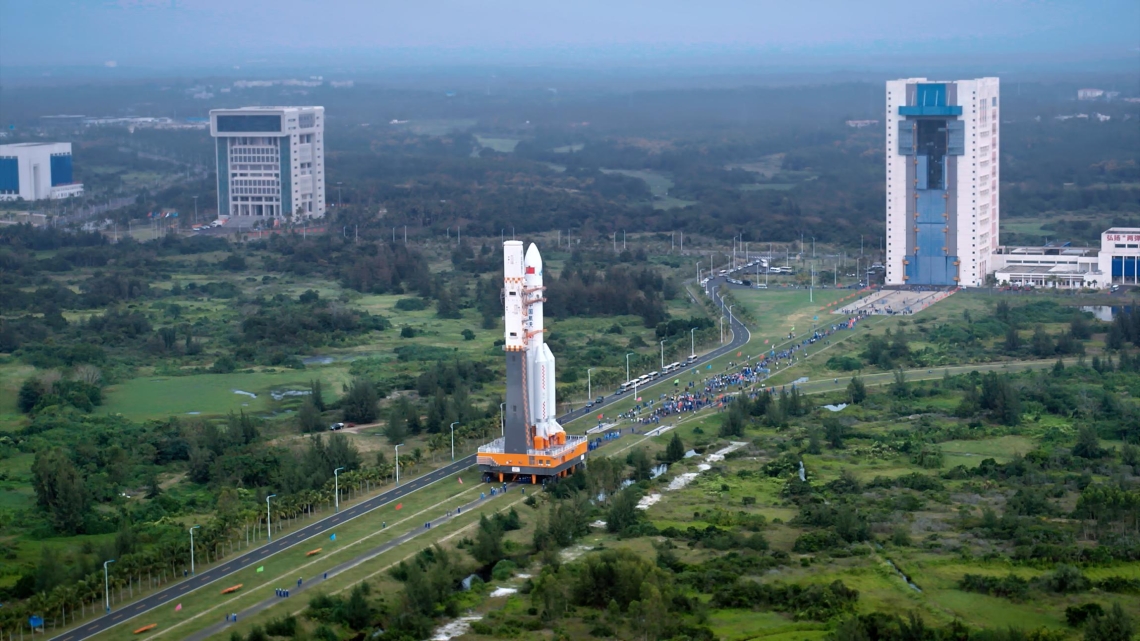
671	367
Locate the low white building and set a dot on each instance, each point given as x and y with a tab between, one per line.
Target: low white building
1116	262
37	171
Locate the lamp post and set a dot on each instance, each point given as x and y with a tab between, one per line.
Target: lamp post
698	272
195	208
722	329
730	319
589	385
192	548
339	200
662	355
627	366
106	585
503	420
453	439
398	465
268	519
813	247
693	343
336	489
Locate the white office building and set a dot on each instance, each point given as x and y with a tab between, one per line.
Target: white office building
942	181
270	161
37	171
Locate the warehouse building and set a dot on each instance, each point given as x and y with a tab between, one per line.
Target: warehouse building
37	171
1117	262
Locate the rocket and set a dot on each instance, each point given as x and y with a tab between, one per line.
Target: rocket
523	296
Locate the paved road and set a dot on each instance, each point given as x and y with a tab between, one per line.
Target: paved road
295	590
257	556
740	336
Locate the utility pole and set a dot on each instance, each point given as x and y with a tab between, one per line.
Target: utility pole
589	385
453	440
627	366
192	548
662	355
106	586
623	240
405	235
339	200
398	465
268	519
336	490
615	241
692	343
195	209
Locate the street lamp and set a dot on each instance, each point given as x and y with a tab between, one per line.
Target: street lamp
730	319
398	465
627	365
268	520
662	355
453	439
339	200
106	585
589	385
192	547
693	343
195	208
503	419
336	488
698	272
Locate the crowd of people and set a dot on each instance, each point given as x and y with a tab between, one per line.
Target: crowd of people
718	388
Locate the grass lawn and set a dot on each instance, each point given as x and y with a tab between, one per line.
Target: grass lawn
154	397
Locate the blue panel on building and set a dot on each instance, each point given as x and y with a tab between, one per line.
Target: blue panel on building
61	170
223	177
906	138
1125	269
930	206
952	110
286	179
9	176
253	124
921	164
931	94
956	142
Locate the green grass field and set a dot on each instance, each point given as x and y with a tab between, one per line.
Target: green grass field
154	397
499	144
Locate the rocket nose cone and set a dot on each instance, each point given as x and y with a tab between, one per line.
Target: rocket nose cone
533	258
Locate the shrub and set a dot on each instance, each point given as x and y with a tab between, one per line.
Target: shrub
411	304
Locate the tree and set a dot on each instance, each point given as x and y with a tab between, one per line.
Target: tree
1088	443
675	450
468	335
60	490
397	429
359	404
1043	346
488	546
1114	626
30	393
316	394
623	512
856	390
899	386
309	417
834	432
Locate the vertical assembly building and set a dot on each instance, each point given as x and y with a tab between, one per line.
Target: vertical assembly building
942	181
37	171
271	161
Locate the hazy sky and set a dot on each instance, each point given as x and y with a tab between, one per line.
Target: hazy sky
179	32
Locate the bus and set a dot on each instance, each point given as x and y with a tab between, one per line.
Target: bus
652	375
671	367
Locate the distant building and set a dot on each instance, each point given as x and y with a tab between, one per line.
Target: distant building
1117	262
270	161
859	124
37	171
942	181
1089	94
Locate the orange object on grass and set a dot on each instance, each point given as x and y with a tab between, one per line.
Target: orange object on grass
146	628
312	552
232	588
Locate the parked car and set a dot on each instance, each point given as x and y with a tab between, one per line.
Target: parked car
336	426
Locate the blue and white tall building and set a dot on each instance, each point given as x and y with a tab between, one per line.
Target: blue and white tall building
271	161
37	171
942	181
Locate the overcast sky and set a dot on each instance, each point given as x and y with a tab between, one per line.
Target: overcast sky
179	32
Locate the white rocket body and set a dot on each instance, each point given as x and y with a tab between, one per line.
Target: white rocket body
540	361
514	332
